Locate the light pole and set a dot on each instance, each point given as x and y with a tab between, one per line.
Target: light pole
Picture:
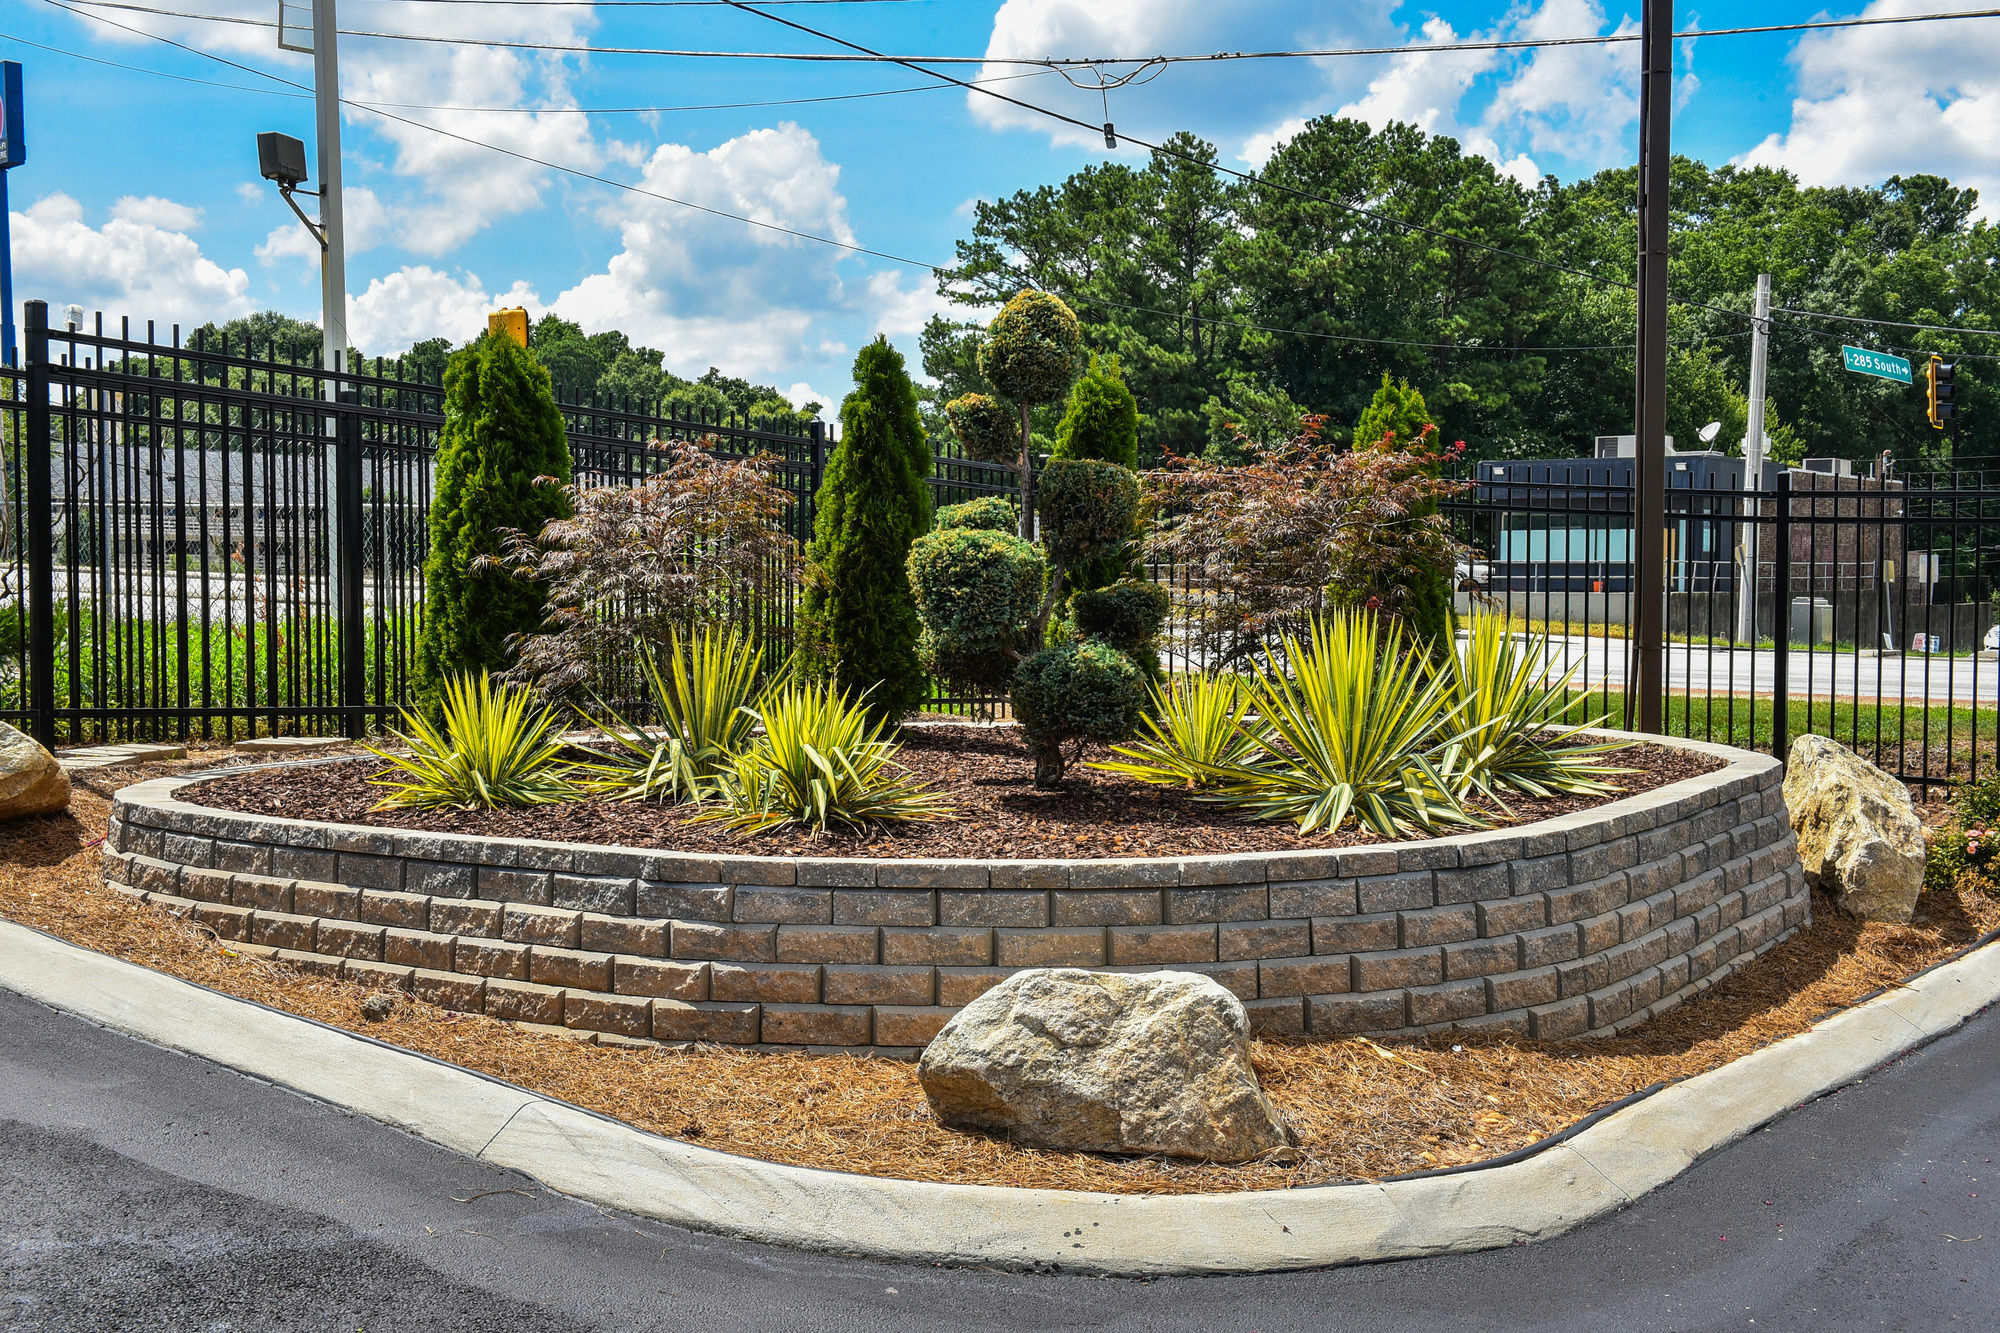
1753	470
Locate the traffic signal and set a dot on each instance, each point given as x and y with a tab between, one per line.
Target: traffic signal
1937	391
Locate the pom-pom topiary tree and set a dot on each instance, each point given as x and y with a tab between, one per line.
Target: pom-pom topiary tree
501	461
1030	357
989	512
860	617
987	598
987	427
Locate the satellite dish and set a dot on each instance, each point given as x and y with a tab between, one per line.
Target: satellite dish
1709	432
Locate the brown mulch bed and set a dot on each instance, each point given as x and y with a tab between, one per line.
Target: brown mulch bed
985	771
1361	1111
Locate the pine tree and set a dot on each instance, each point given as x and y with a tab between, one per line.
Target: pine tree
1101	420
860	616
502	435
1399	416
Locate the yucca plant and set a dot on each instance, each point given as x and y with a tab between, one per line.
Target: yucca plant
1197	728
1349	734
498	747
702	704
1515	719
820	761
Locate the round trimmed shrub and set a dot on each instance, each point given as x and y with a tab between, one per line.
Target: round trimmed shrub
1071	692
987	428
1031	348
1125	615
1087	508
975	590
989	513
1102	418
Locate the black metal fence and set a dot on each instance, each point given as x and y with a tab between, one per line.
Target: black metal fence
173	562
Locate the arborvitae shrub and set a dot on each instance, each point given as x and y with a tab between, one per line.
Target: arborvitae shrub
860	615
501	460
1074	692
976	590
1102	418
989	513
1398	411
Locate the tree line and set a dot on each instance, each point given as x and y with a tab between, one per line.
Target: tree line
1235	308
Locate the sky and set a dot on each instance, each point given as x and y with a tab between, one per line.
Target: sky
141	196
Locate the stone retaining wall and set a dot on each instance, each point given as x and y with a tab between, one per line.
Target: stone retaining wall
1584	924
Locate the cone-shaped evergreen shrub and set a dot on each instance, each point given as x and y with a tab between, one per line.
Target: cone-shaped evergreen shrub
502	435
860	617
1102	418
1398	411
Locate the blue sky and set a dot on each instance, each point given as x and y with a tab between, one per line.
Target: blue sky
141	194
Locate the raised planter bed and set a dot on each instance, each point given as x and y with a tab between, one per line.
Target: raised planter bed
1584	923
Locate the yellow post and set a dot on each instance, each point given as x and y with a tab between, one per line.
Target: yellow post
513	322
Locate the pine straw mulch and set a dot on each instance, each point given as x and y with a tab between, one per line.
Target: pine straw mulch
985	773
1361	1111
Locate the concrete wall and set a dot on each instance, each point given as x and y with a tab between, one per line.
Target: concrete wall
1582	924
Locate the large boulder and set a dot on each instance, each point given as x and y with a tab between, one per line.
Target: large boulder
1859	835
1156	1062
31	783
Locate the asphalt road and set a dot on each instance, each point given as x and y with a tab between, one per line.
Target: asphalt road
142	1190
1822	673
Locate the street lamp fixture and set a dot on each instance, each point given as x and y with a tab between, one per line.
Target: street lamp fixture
281	159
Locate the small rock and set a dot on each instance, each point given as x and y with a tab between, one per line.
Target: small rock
1105	1062
1859	835
378	1006
31	782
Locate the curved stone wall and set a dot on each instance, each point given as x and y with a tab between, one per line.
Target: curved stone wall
1584	924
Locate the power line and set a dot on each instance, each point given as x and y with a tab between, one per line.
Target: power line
1890	323
864	56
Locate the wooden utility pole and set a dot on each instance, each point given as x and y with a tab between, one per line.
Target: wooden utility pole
1645	695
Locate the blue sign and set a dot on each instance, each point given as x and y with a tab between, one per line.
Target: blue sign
13	132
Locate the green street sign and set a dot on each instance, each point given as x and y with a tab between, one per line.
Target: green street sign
1864	362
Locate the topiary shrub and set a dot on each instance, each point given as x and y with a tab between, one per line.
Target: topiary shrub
977	591
1102	419
1070	694
989	513
1125	615
1088	508
1030	355
503	443
987	428
859	613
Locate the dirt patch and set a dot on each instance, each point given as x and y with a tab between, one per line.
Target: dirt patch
1362	1111
985	771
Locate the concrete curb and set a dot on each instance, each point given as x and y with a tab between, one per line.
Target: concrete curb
1611	1163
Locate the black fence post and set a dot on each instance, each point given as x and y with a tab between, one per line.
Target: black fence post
1781	621
41	533
816	429
353	607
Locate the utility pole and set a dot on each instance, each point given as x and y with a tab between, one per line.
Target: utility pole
333	259
1649	572
1748	538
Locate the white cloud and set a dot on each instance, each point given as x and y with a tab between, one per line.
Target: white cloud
802	393
902	312
1577	102
1423	90
1904	98
133	264
420	302
157	212
709	290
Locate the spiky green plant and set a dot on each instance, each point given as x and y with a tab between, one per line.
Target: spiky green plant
498	747
1198	727
820	762
701	704
1348	734
1513	716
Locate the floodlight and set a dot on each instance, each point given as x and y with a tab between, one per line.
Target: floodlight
281	158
